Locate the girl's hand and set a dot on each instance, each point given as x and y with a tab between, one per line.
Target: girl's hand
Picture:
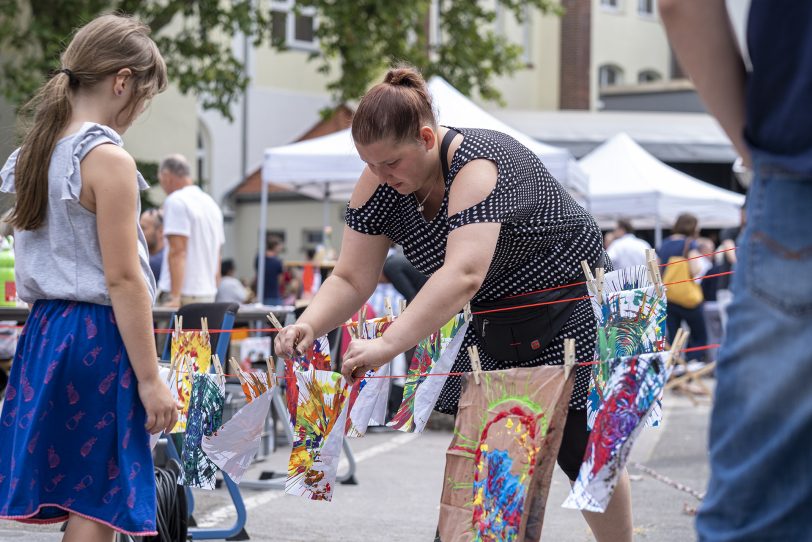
363	355
293	340
162	409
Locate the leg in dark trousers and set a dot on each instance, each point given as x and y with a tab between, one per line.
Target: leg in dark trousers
404	277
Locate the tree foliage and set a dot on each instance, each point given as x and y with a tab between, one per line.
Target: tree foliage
357	40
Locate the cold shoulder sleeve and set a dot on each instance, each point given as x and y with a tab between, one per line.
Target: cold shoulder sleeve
374	217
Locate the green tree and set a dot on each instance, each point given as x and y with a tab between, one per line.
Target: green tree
357	39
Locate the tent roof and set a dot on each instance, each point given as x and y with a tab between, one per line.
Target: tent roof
626	181
329	166
671	136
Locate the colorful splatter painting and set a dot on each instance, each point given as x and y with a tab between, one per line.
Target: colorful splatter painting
434	355
631	393
205	417
317	357
317	443
195	347
500	461
233	446
369	396
631	321
255	383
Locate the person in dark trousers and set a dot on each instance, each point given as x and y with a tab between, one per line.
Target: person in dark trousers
759	87
273	270
406	279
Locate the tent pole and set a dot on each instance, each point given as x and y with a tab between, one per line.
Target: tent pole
263	226
325	208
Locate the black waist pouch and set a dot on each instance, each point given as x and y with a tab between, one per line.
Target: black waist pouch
521	334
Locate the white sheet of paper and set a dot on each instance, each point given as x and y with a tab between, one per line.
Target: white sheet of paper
234	445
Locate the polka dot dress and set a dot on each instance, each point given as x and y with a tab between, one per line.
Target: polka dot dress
544	236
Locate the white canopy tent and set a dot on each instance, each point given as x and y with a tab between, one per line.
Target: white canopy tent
626	181
327	167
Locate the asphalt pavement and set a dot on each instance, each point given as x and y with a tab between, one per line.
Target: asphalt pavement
400	479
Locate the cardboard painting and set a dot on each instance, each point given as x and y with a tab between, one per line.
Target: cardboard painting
234	445
318	436
500	461
632	391
435	356
195	347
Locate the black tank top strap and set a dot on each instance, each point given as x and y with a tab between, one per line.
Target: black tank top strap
447	138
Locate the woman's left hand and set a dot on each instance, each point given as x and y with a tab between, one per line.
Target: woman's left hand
363	355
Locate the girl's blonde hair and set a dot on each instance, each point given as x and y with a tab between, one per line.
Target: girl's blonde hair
99	49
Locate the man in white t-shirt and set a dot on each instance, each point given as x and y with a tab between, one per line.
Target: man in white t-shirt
627	250
193	229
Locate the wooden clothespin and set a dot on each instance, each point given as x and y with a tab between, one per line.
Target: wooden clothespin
590	279
654	271
677	346
218	368
351	328
232	361
271	372
599	273
274	322
171	371
569	356
476	364
466	312
402	306
387	303
204	325
362	322
178	326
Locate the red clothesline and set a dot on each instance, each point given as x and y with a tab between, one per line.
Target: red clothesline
460	373
516	307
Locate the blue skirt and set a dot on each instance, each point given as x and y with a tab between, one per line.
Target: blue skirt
72	436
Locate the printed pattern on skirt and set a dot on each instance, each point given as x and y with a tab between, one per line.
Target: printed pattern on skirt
72	436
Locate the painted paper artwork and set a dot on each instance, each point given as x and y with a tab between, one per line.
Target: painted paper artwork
205	417
631	393
434	355
500	461
317	357
368	397
255	384
233	446
631	321
317	436
195	347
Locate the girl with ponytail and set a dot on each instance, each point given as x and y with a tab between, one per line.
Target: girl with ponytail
84	392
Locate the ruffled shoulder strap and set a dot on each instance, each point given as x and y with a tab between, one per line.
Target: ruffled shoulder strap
88	138
7	173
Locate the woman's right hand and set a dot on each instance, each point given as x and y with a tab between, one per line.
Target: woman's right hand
161	407
293	340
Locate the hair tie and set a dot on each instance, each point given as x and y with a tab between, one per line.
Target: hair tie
72	79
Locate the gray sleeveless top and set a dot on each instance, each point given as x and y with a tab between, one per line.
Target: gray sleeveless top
62	258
